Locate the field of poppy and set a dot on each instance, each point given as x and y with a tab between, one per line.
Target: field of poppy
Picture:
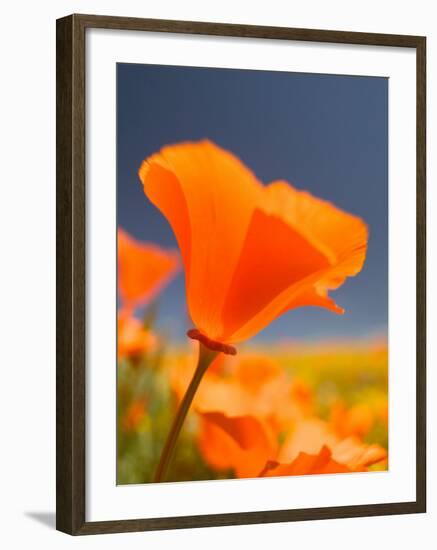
220	405
291	409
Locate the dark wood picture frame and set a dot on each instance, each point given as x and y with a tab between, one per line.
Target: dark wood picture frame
71	283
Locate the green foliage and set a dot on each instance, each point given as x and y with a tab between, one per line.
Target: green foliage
146	406
139	446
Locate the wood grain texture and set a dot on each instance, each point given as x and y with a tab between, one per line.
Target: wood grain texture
70	276
71	273
246	31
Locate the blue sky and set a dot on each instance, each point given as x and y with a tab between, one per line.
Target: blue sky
327	134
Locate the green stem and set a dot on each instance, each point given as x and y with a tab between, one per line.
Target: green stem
206	356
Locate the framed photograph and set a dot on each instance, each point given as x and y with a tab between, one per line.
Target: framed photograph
240	274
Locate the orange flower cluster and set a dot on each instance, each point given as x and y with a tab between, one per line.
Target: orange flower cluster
256	422
143	270
134	415
251	252
133	338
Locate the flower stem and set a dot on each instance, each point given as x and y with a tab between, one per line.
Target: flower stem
206	356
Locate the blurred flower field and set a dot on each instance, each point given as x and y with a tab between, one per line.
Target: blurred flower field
219	405
265	405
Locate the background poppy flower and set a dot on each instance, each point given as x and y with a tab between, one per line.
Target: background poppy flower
248	384
247	446
311	435
357	420
143	270
250	252
240	443
133	339
134	415
305	464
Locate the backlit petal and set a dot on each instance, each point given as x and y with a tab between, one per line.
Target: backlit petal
274	257
143	269
242	443
304	464
333	247
208	196
310	436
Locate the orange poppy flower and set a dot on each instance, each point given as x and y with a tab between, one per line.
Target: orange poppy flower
311	435
241	443
357	420
305	464
134	415
133	339
251	252
250	384
143	270
244	443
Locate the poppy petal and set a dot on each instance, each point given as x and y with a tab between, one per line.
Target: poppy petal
315	298
255	371
358	455
208	196
242	443
311	435
333	231
143	269
274	257
332	246
305	464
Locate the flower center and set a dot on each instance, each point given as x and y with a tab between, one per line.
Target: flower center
195	334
